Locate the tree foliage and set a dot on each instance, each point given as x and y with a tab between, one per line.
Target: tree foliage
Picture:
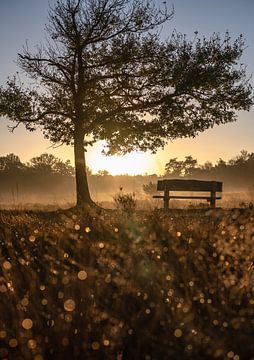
48	163
10	163
42	164
239	167
185	167
105	58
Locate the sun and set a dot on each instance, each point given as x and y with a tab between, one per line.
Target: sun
134	163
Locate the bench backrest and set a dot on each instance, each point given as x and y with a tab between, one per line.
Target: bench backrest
189	185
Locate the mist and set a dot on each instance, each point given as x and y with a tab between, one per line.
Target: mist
47	181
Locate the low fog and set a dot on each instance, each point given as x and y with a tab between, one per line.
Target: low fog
48	181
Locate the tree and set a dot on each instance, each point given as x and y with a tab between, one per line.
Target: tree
11	163
178	168
104	73
103	173
43	163
221	164
189	165
48	163
207	167
174	167
241	159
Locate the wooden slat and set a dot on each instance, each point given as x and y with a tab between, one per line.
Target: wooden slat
185	197
189	185
193	197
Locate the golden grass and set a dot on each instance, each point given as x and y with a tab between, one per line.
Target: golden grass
109	285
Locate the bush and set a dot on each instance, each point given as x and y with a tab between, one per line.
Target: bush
125	202
150	188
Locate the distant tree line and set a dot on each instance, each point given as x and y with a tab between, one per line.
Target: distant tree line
189	167
46	177
236	173
43	164
40	179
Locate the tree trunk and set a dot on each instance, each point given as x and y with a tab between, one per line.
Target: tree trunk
82	189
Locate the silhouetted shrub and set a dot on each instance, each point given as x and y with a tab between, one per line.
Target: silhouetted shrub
125	202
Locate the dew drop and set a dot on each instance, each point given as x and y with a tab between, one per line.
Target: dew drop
178	333
27	324
25	302
95	345
2	334
7	265
82	275
69	305
13	343
31	344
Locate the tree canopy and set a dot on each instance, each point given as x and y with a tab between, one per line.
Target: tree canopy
181	167
105	73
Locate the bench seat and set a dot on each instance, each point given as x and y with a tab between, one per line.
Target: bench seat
185	197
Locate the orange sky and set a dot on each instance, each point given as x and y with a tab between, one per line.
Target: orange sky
224	141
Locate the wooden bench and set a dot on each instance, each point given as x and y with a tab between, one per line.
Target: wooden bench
190	186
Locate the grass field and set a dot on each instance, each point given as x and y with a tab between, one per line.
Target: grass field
115	285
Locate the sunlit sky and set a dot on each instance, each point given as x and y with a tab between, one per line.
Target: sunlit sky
23	20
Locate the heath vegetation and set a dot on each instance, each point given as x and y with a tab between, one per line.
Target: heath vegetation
111	285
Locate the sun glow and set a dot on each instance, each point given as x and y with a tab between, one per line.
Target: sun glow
133	163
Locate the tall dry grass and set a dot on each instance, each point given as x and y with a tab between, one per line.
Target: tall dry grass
117	285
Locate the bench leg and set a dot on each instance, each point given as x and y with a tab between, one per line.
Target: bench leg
166	199
213	199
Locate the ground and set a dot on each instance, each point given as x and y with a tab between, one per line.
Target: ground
98	284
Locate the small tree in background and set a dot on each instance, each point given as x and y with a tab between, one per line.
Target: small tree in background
48	163
179	168
11	163
43	163
174	167
189	165
104	73
241	159
103	173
